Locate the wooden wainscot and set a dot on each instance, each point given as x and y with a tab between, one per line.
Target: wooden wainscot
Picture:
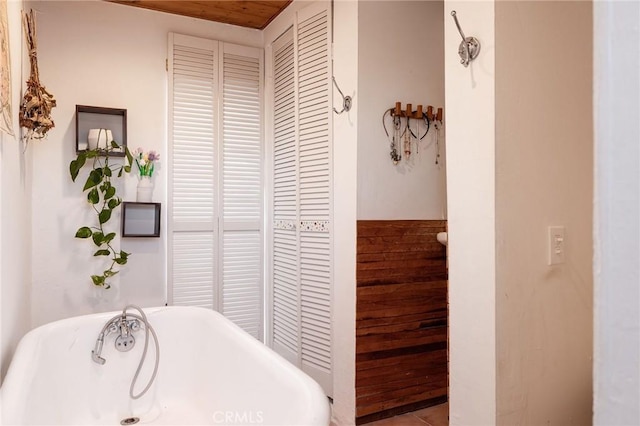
401	318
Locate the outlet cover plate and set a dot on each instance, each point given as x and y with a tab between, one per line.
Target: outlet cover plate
556	243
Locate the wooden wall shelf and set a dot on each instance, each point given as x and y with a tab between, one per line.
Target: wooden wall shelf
92	117
140	219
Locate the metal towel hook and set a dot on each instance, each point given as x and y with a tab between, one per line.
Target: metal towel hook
346	100
469	46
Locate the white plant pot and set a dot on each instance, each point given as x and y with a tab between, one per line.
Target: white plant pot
99	138
145	190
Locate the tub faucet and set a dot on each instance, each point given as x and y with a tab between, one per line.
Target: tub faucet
125	325
124	328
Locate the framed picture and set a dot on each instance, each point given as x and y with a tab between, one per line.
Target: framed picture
140	219
96	127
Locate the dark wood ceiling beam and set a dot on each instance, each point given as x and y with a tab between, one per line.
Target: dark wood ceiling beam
244	13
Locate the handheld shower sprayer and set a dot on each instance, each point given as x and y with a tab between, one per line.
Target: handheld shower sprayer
95	353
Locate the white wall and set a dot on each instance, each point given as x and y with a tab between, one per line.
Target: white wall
15	210
544	169
470	122
617	209
520	330
346	140
401	57
102	54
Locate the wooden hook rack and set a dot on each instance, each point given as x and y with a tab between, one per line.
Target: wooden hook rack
408	112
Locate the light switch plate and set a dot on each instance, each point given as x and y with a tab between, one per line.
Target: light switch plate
557	243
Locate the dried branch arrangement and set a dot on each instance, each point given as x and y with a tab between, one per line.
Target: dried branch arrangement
37	103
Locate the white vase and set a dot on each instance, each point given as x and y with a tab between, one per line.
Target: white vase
99	138
145	189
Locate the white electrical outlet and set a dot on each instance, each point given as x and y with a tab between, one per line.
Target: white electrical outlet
556	245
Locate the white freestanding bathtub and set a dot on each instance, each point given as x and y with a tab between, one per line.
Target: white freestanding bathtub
210	372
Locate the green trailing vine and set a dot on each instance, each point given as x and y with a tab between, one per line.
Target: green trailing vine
101	195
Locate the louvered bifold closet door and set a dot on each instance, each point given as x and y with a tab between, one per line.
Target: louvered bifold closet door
192	236
286	293
302	199
315	182
215	185
242	188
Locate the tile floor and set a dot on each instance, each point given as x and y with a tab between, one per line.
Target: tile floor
438	415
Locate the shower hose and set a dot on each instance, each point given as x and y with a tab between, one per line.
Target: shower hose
147	329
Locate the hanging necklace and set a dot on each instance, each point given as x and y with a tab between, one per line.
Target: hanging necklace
437	127
418	140
407	141
395	138
395	157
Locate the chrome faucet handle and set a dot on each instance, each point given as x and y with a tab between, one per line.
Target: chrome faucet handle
113	328
134	325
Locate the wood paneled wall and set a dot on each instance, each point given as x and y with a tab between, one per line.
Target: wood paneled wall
401	317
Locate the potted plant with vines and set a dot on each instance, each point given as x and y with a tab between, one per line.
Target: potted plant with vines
102	197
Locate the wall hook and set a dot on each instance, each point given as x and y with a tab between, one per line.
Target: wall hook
469	46
346	100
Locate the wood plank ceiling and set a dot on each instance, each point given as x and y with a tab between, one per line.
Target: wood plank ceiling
244	13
